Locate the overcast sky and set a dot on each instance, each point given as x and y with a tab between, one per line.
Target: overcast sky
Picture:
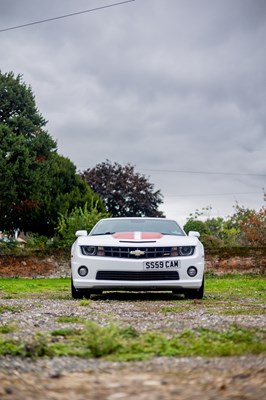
175	87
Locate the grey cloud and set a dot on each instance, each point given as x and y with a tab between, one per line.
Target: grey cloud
165	85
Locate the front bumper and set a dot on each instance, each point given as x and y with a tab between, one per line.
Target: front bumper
103	267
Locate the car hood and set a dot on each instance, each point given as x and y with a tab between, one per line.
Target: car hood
137	238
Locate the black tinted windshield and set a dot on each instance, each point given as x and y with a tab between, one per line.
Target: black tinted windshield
108	226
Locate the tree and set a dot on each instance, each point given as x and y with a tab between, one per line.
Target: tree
36	184
124	191
246	227
18	109
78	218
252	225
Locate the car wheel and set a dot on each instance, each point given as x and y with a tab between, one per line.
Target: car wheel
195	293
78	294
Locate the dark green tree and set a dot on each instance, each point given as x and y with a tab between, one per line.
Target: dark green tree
36	184
124	191
18	109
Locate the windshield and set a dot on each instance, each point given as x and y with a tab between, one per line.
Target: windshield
108	226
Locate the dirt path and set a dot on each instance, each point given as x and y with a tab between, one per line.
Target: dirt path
208	380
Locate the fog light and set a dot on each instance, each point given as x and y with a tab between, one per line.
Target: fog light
83	271
192	271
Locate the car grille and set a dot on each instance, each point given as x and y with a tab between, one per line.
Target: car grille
137	276
148	252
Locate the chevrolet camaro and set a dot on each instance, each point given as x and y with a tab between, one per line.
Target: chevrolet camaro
137	254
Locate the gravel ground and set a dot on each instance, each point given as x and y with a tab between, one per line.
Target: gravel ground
160	378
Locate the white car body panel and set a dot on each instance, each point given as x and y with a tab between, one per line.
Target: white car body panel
138	241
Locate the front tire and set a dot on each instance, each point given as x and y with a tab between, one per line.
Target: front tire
195	293
78	294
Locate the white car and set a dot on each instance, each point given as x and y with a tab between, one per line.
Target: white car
132	254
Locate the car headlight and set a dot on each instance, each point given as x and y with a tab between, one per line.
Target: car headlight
88	250
92	251
186	250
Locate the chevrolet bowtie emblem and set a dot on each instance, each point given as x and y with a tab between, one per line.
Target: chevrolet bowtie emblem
137	253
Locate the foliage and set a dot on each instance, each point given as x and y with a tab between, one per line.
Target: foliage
35	241
196	225
126	344
36	184
78	218
8	328
252	225
246	227
12	309
215	232
18	109
124	191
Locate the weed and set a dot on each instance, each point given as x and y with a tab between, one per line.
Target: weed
65	332
4	308
84	303
125	344
184	306
70	319
8	328
242	311
10	347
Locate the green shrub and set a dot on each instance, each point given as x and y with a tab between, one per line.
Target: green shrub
78	218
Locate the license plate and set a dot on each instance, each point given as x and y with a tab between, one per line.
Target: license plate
167	264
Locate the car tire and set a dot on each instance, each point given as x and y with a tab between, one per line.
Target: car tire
78	294
195	293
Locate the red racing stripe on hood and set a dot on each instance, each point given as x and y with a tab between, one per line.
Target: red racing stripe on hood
124	235
151	235
137	235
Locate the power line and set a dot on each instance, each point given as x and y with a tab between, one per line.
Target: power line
80	167
201	172
211	194
65	16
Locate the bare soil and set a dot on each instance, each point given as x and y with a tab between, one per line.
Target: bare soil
203	379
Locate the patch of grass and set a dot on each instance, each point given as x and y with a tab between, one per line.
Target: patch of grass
84	303
224	307
4	308
13	296
71	319
218	287
10	347
23	287
59	296
244	310
8	328
177	309
65	332
235	286
125	344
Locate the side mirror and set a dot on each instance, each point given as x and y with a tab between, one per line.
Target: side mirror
194	234
81	233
